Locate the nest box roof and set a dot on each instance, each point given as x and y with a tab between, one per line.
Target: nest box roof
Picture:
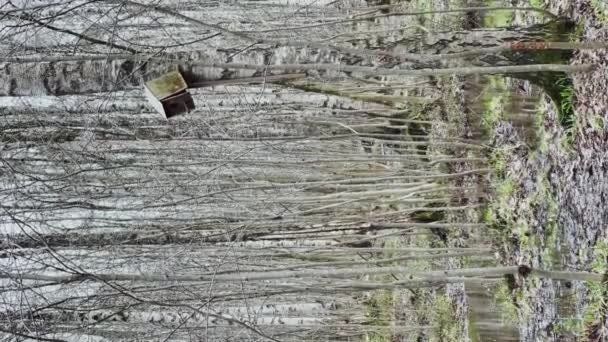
167	85
168	94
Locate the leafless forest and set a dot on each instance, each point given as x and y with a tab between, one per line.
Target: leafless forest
375	198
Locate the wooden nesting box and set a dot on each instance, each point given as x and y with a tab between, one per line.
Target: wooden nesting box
169	94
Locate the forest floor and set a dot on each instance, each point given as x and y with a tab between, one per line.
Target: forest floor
548	187
550	193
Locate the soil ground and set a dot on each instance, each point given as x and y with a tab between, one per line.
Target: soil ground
548	191
551	193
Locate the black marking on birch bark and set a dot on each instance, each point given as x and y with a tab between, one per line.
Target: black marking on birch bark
12	87
125	73
47	75
227	74
524	271
59	87
267	57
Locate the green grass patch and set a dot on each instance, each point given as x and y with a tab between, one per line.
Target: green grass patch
567	102
504	300
566	141
383	306
380	312
494	96
597	307
542	141
600	8
380	307
498	213
537	3
597	122
579	30
425	306
473	332
493	112
498	160
502	18
543	197
444	316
